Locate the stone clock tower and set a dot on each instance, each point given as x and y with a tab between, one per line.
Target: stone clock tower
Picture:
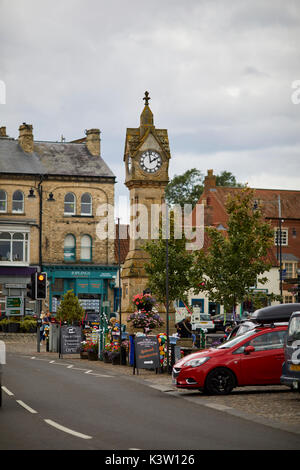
146	158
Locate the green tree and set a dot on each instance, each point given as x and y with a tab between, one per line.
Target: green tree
226	178
70	309
180	267
188	187
235	258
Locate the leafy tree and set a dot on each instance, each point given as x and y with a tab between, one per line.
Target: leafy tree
226	178
188	187
70	309
180	267
235	258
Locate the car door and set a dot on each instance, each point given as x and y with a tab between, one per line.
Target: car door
263	366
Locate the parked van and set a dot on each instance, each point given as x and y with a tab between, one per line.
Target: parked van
291	366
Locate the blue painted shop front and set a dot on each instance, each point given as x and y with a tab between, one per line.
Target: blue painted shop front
91	284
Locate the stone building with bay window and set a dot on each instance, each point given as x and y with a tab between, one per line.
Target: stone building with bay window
50	195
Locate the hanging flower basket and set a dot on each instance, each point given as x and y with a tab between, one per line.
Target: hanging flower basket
144	302
146	320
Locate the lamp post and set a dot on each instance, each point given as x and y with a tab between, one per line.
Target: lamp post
31	195
167	286
120	296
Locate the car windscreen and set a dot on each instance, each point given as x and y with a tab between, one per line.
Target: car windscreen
204	317
236	340
294	328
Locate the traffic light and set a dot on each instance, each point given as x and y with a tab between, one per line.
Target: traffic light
40	286
31	287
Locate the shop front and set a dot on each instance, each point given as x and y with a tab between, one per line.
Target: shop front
13	290
93	285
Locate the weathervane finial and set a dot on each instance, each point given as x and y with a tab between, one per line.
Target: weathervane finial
146	98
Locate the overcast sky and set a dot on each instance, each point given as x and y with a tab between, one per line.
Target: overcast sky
220	75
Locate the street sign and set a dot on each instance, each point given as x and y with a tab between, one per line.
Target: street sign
14	306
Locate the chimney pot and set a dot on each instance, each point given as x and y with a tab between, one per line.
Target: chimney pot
3	131
93	141
210	180
26	137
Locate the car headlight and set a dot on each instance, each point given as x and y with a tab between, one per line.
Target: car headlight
197	362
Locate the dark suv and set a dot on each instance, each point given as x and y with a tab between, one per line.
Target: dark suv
291	366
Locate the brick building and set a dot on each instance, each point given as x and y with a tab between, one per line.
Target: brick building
49	196
282	209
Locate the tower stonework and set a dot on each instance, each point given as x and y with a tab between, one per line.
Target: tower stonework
146	159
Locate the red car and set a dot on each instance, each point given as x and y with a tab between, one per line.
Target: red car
254	358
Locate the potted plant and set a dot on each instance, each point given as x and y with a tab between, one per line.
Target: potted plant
107	353
84	350
92	351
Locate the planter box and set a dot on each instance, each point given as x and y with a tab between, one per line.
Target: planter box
92	356
83	355
13	327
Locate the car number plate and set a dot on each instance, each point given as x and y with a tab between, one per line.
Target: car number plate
203	322
295	367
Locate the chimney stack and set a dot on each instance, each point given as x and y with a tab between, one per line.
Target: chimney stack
210	180
93	142
26	137
3	131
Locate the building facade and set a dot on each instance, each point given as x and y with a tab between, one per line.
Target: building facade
282	209
53	197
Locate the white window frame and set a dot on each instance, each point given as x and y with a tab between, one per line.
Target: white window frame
74	202
3	200
90	204
284	237
14	211
12	230
82	247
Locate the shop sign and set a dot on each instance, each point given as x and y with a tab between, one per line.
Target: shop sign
14	305
70	337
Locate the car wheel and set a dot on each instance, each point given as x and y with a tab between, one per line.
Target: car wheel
219	381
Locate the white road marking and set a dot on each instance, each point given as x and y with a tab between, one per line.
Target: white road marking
99	375
7	391
26	407
88	371
67	430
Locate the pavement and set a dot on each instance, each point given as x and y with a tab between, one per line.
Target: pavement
275	406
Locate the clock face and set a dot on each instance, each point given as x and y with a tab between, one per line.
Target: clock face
150	161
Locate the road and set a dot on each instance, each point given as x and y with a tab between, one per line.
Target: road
59	404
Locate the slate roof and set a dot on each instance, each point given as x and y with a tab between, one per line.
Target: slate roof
51	158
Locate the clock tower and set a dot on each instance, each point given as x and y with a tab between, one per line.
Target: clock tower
146	158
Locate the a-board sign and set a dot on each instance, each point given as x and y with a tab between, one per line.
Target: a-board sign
70	339
146	352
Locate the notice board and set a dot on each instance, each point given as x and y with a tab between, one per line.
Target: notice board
146	352
70	339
